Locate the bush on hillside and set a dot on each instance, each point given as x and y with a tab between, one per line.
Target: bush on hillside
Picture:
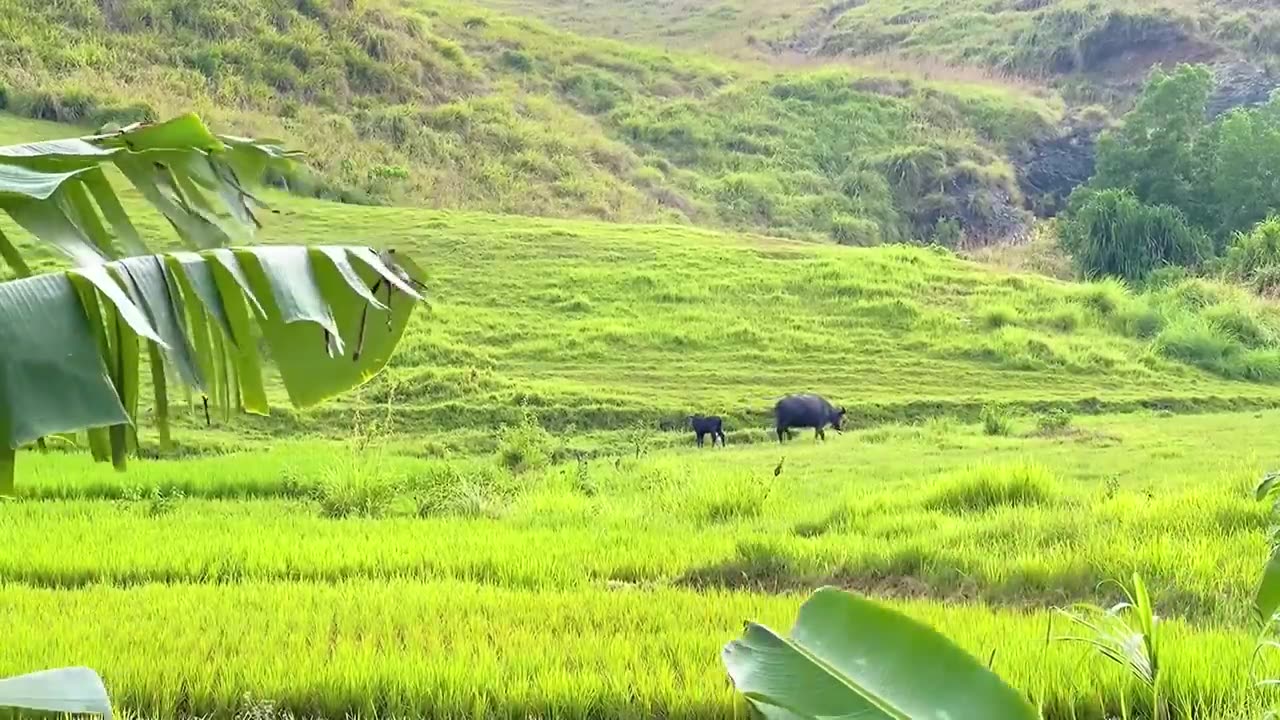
1111	233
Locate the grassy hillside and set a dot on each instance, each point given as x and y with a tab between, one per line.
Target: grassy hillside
599	326
441	104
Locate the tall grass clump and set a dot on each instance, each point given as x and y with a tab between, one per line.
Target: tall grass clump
1110	233
1065	319
995	317
355	488
1253	258
987	487
730	498
1105	296
996	421
474	489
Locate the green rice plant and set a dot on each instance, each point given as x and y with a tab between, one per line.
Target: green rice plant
987	487
733	498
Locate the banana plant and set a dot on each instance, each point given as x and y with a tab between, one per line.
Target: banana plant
850	657
75	690
75	340
1266	600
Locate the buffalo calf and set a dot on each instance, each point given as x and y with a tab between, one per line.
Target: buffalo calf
708	425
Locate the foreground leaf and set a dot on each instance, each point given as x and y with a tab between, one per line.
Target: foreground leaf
851	657
329	330
76	690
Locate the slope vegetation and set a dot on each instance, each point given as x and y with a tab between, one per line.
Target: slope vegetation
441	104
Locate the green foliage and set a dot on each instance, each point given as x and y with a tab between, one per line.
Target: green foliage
1154	152
1217	174
1246	151
1112	233
1128	634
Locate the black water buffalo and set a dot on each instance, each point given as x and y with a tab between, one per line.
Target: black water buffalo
804	411
704	426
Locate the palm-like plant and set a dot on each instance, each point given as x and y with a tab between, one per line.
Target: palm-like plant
74	340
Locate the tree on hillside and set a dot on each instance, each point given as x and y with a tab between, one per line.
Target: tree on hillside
1156	154
1246	167
74	341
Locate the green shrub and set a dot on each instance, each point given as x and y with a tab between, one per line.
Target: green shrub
1112	234
988	487
1054	421
527	446
996	421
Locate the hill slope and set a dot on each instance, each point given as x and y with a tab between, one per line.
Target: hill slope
440	104
600	326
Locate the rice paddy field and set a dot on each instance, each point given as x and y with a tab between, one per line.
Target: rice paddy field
508	523
327	579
